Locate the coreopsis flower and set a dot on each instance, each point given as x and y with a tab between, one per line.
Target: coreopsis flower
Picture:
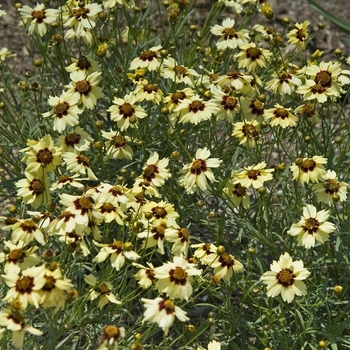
253	86
309	169
2	12
283	83
175	278
299	34
308	112
64	110
81	17
16	323
235	79
155	235
195	110
138	77
41	156
163	312
161	211
5	53
155	171
313	226
75	242
86	87
148	92
312	90
247	132
83	207
111	211
25	285
117	145
196	174
149	59
125	112
142	186
85	64
254	176
36	19
178	73
34	191
224	265
109	4
118	253
67	222
229	105
173	100
213	345
325	73
203	249
78	163
181	239
209	79
286	278
18	257
280	116
229	37
78	140
252	109
103	291
64	180
26	230
110	336
330	190
84	34
236	5
145	275
237	194
251	57
53	291
116	194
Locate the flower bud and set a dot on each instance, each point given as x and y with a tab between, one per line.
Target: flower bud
267	10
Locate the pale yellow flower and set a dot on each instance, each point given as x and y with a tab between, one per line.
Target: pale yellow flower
148	92
283	83
313	226
280	116
299	34
117	145
254	176
149	59
309	169
251	57
286	278
247	132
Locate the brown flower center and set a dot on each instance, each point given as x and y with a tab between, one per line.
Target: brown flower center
308	110
83	63
61	109
149	172
16	255
196	106
229	33
126	110
311	225
25	285
284	77
324	78
103	289
148	55
180	71
49	284
229	102
36	186
168	305
226	260
178	95
158	232
80	13
110	332
116	191
107	208
159	212
253	174
178	275
44	156
83	159
66	215
198	166
253	53
63	178
29	226
285	277
72	139
117	246
85	203
331	186
39	15
318	89
308	165
250	131
281	113
239	190
150	88
83	87
235	74
184	235
257	107
119	141
301	34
